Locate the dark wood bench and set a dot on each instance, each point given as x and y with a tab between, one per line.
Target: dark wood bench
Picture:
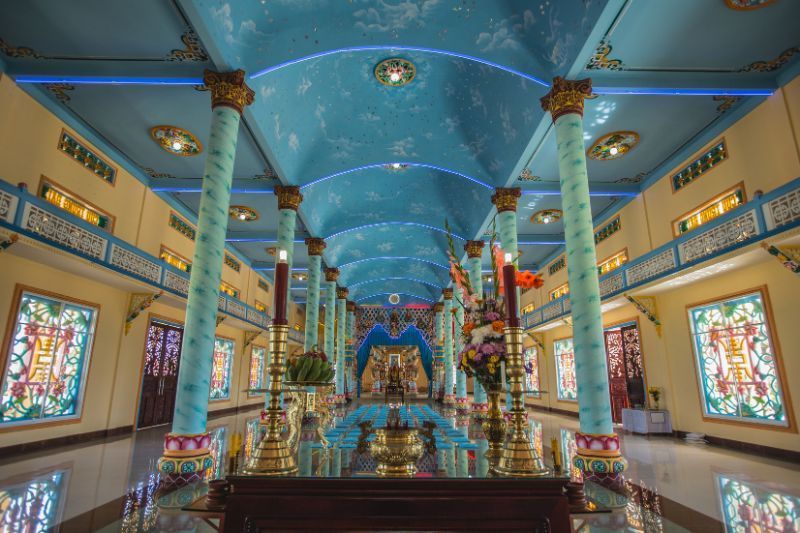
365	504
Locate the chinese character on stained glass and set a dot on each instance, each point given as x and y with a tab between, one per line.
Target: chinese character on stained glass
47	360
257	367
221	369
565	368
531	356
736	361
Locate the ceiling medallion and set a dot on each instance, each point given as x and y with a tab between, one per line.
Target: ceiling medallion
546	216
299	276
176	140
613	145
395	72
396	167
243	213
394	299
272	250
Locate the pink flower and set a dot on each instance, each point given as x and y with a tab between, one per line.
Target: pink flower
488	349
18	389
59	388
761	388
39	390
722	386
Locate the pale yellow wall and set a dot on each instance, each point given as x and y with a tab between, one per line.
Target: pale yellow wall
29	136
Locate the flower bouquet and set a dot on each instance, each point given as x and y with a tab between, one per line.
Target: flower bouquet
484	350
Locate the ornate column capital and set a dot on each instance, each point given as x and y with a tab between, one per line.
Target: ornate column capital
341	292
289	197
315	245
474	248
331	274
351	307
447	294
506	199
566	96
438	307
228	89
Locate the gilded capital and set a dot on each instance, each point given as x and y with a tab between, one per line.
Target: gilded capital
474	248
351	307
447	293
331	274
289	197
566	96
341	293
228	89
315	245
506	199
438	307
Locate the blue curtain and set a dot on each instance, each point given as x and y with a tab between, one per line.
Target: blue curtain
411	336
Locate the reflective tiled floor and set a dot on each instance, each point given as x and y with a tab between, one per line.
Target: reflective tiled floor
110	485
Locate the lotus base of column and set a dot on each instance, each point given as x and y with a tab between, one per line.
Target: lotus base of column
599	458
186	459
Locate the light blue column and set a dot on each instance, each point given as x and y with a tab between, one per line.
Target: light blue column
331	275
462	464
315	248
350	349
506	202
584	290
461	377
439	348
448	345
341	323
474	251
191	401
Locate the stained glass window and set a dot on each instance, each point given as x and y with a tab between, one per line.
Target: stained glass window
35	505
736	361
257	355
218	450
531	356
750	507
565	368
47	360
221	369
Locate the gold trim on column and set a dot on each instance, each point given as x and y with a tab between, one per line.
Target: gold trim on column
331	274
447	294
289	197
438	307
474	249
506	199
228	89
566	96
315	245
341	293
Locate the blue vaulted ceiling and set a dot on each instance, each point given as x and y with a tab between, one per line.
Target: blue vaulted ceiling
469	122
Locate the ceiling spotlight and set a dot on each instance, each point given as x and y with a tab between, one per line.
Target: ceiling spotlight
614	150
546	220
394	76
176	145
242	216
396	165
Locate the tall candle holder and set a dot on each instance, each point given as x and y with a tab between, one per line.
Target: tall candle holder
273	456
519	457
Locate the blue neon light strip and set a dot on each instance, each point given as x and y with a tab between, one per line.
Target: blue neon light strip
378	224
394	258
259	239
591	193
388	293
199	188
381	165
688	91
402	49
107	80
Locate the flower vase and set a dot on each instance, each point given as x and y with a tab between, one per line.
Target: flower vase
494	425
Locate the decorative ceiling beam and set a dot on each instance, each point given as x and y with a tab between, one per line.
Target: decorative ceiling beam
552	188
240	185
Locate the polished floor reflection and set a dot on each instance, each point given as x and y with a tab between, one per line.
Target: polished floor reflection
672	486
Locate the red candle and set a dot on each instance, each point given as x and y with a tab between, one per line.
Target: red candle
510	288
281	286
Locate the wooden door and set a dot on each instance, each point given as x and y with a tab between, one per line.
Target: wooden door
617	384
634	366
160	376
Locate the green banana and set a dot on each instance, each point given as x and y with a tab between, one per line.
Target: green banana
316	369
303	367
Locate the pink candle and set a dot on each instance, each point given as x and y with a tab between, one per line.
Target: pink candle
281	284
510	289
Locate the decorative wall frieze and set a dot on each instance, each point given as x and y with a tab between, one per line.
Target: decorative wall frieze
19	51
773	65
600	59
137	303
607	230
703	163
783	210
176	283
59	90
193	50
719	237
8	206
651	267
63	232
135	264
86	157
232	262
557	265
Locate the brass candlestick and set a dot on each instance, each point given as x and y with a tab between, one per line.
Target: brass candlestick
519	458
273	456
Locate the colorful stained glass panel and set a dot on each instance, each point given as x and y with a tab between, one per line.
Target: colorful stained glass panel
35	505
47	360
736	361
221	369
565	368
749	507
257	355
531	356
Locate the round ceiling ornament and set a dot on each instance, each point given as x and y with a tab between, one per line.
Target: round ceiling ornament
272	250
243	213
395	72
613	145
176	141
546	216
394	299
396	167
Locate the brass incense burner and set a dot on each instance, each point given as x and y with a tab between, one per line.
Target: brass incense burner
397	451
